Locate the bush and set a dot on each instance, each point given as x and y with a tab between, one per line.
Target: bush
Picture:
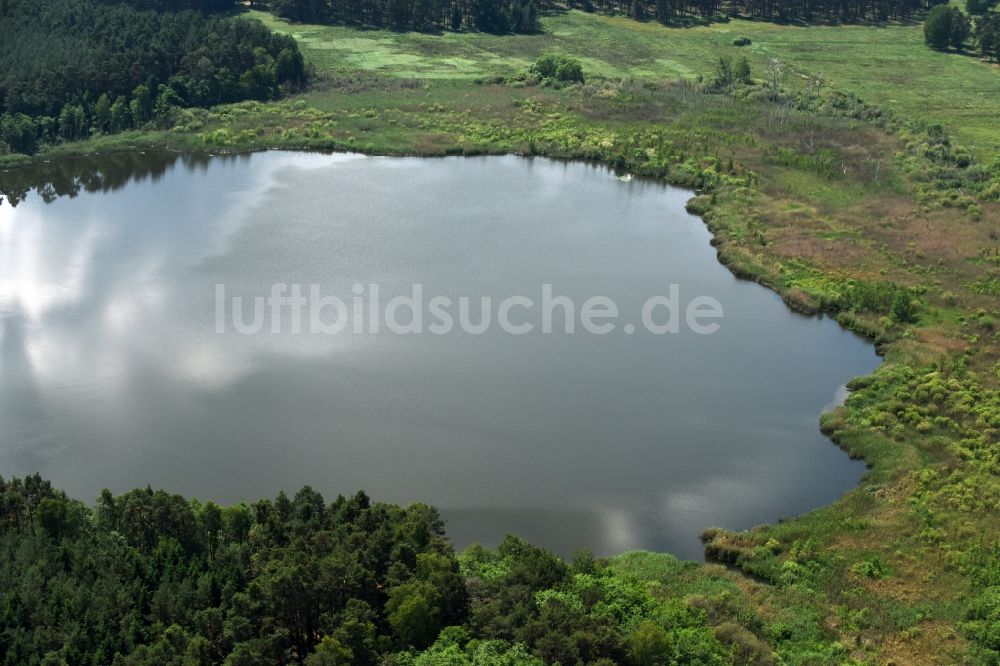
743	644
742	71
723	73
559	68
983	622
649	644
18	131
742	41
570	71
873	568
903	310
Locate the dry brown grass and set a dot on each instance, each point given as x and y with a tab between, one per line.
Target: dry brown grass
932	644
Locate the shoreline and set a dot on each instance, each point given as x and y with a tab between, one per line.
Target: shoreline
692	207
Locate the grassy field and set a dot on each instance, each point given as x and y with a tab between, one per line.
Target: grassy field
887	65
808	191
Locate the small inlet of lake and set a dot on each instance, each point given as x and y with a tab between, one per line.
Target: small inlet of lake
123	362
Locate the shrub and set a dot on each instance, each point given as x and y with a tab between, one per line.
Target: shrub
649	644
745	646
872	568
903	310
742	71
18	131
723	73
983	622
559	68
570	71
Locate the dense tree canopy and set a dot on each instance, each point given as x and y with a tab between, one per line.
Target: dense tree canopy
946	26
522	15
150	578
988	35
668	11
979	7
153	578
72	67
485	15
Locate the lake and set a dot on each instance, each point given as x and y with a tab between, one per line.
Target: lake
122	364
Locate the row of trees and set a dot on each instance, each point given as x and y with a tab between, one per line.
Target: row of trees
148	577
68	176
208	6
522	15
497	16
73	67
669	11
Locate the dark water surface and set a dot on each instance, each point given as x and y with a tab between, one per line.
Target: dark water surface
112	373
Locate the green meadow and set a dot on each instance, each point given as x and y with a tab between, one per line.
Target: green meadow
887	65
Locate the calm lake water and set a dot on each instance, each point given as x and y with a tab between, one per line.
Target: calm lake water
113	374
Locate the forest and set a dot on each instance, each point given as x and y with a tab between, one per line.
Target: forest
71	68
148	577
498	16
520	16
